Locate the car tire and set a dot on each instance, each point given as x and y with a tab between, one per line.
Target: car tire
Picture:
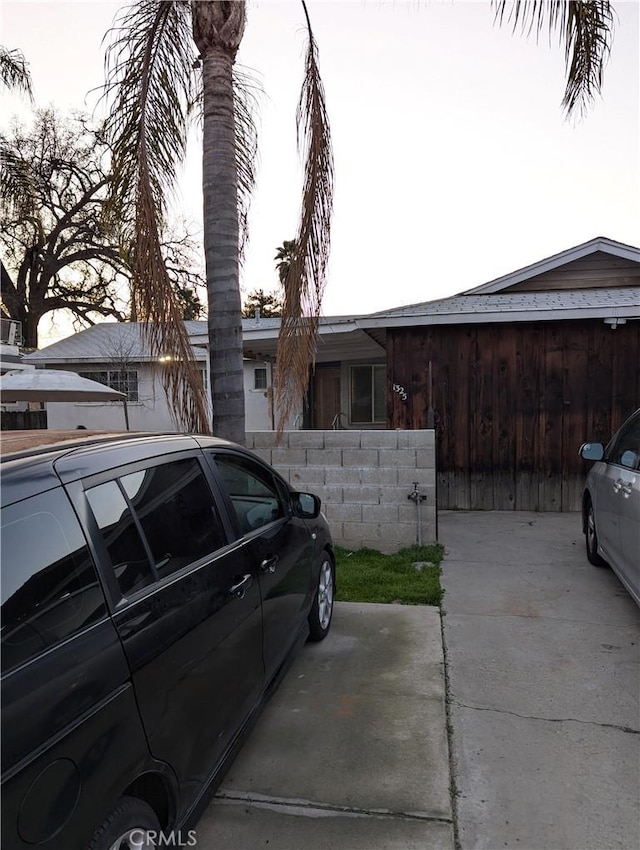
322	608
126	827
591	538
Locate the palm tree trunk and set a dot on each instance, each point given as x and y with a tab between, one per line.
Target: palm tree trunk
220	198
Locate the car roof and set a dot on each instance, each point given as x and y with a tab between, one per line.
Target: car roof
35	461
22	444
26	443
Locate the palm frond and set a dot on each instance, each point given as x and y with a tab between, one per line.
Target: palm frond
164	329
16	181
149	82
305	279
14	71
148	66
584	27
245	100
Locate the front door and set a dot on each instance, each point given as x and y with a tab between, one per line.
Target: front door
326	412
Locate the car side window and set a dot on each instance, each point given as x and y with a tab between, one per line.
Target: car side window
177	512
625	450
129	558
156	521
252	490
50	588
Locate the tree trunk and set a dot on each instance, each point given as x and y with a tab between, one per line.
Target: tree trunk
220	199
30	332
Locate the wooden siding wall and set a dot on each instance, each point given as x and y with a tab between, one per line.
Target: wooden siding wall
512	405
593	272
21	420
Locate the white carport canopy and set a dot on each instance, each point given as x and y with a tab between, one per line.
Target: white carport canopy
53	385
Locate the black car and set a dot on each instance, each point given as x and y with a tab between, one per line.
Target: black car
153	589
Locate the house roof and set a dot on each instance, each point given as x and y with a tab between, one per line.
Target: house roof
513	307
103	342
558	287
340	337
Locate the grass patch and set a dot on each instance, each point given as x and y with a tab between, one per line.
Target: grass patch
366	575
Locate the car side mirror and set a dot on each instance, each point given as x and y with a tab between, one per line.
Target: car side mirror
305	505
592	451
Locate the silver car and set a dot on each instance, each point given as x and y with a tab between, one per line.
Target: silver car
611	504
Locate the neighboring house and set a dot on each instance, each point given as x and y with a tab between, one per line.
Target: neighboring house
340	395
114	354
517	373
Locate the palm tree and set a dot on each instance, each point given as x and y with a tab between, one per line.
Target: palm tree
152	61
284	257
154	74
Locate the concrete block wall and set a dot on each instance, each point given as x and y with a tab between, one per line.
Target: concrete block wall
363	479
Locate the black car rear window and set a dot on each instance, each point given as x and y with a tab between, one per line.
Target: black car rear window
49	587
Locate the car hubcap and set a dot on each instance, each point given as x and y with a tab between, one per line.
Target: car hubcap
325	594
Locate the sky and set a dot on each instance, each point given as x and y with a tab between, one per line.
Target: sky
454	161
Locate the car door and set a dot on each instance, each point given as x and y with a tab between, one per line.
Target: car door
277	544
606	502
623	481
630	526
70	726
187	609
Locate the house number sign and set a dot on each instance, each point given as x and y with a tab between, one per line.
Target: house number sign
401	391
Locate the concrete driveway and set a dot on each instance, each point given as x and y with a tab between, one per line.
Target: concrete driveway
351	751
543	658
543	654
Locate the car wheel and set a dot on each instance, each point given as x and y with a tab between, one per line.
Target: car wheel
591	538
322	608
131	825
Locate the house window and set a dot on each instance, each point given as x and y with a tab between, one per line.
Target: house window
367	395
123	380
260	378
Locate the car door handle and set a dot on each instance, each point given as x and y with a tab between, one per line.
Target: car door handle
238	590
624	486
269	565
